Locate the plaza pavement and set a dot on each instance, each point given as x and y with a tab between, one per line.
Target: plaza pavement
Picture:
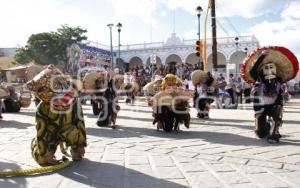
219	152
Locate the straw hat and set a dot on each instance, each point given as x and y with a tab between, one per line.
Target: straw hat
170	97
199	76
286	62
118	81
171	80
78	84
90	78
32	71
3	92
151	87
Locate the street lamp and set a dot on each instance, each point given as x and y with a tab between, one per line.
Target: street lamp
199	11
236	45
246	51
119	25
111	46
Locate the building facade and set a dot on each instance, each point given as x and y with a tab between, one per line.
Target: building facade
231	53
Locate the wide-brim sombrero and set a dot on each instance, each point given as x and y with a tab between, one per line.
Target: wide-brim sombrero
90	78
199	76
170	97
3	92
152	87
77	84
118	81
32	71
287	64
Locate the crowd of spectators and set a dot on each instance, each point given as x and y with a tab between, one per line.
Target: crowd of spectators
143	75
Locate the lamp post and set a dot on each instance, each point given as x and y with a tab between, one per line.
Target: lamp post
246	51
111	46
199	10
119	25
236	45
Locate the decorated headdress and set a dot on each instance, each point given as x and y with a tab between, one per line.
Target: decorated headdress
286	62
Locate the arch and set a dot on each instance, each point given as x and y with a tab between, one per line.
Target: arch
158	61
120	63
237	59
221	63
173	58
192	59
135	61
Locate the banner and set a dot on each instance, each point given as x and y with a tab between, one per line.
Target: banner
82	56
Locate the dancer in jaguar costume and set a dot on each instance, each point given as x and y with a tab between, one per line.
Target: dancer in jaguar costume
59	118
268	68
170	105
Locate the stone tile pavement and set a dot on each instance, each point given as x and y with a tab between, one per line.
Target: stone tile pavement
219	152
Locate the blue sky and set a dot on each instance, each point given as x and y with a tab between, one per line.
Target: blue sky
273	22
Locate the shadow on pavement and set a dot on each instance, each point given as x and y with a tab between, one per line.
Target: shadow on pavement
223	125
15	124
202	122
137	110
17	182
99	174
210	137
207	136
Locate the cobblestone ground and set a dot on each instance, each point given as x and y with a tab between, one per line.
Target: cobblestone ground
219	152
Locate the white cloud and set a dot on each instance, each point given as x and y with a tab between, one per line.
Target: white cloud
136	9
292	11
163	13
190	34
247	9
23	18
281	33
187	5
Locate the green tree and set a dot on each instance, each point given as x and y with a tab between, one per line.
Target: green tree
50	47
23	56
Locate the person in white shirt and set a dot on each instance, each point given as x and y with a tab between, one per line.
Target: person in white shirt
186	83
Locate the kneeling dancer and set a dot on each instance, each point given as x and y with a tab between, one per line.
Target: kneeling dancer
268	68
59	117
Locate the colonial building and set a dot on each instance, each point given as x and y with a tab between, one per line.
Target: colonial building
231	52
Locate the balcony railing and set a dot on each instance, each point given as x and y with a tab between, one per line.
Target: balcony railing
190	42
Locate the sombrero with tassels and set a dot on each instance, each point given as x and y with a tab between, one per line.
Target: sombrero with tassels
90	78
199	76
286	62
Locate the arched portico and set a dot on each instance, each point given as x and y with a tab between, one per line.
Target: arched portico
135	61
237	59
173	58
158	61
221	63
192	59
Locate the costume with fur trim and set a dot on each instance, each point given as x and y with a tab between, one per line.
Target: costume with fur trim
103	86
170	105
268	68
205	86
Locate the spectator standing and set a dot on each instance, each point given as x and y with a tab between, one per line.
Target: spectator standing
230	88
186	83
239	90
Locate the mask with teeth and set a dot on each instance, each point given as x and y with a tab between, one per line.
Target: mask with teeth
269	71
